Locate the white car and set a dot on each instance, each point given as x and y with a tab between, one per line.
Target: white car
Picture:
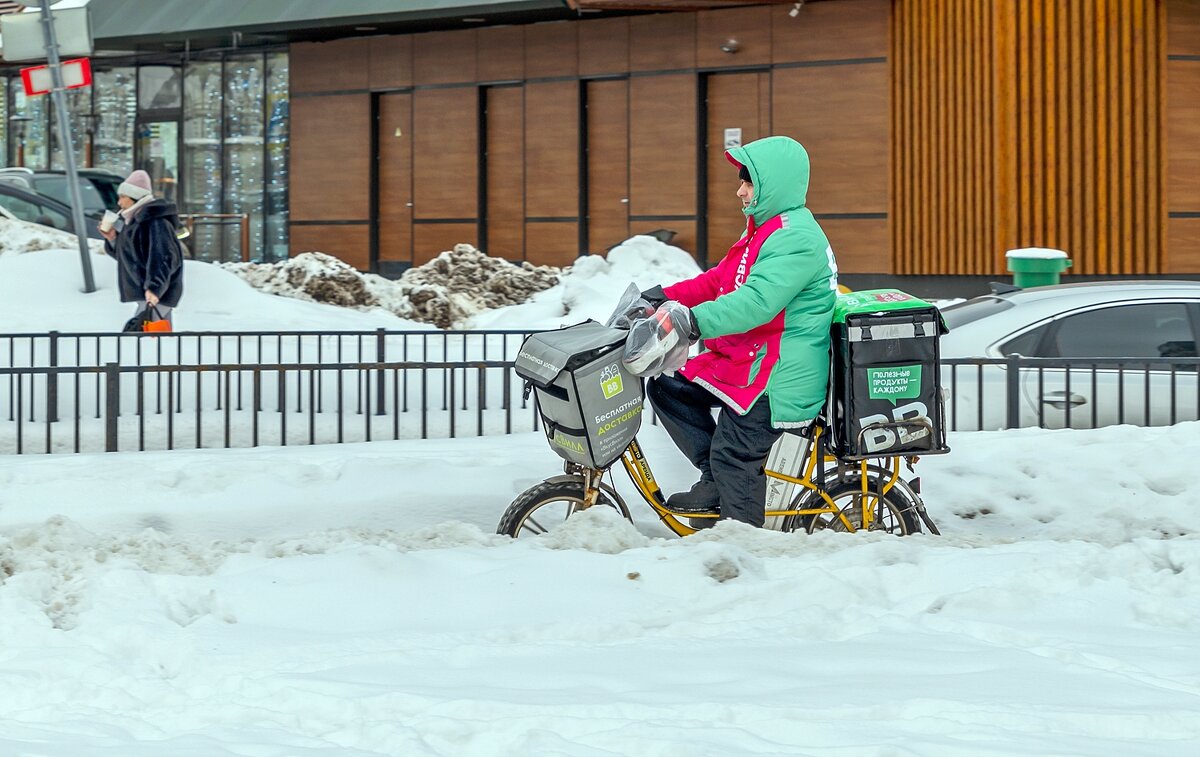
1117	334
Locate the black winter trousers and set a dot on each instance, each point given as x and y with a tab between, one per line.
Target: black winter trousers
729	450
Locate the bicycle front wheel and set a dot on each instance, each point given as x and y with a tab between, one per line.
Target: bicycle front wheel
546	506
889	513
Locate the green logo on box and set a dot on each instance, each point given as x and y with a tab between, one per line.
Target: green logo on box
899	382
610	382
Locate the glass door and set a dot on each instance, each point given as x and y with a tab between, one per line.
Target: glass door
158	155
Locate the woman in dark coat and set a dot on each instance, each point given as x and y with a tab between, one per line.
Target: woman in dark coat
142	239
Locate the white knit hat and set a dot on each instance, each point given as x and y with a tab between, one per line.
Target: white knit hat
136	186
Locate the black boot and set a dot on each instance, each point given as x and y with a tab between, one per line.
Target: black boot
703	497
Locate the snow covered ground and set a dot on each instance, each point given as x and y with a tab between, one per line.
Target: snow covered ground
352	600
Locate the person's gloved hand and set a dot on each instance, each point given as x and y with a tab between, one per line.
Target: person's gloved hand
679	317
631	308
654	295
661	343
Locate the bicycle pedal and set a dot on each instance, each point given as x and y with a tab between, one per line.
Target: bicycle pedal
693	509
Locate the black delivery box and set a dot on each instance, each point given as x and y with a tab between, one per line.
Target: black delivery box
885	393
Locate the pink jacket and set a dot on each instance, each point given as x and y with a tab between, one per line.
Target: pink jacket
736	367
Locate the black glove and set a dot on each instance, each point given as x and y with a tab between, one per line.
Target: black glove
685	321
654	295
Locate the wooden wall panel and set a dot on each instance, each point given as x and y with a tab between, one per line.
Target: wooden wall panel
662	154
843	30
608	163
750	27
330	176
1033	124
444	57
1183	135
732	103
860	245
500	53
432	239
551	49
328	66
349	243
551	243
1183	27
552	149
446	153
603	46
395	177
1183	240
662	42
1182	148
390	62
841	116
506	172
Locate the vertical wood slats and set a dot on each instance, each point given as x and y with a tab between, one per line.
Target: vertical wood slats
1027	124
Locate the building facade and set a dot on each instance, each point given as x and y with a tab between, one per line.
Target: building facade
941	134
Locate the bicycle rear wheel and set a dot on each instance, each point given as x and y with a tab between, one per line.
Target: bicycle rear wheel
889	513
544	507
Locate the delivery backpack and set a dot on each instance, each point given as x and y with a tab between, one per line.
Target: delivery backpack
885	397
590	405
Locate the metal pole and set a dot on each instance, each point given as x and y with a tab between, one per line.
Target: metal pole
64	138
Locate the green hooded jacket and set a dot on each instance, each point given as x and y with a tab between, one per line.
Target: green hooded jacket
771	298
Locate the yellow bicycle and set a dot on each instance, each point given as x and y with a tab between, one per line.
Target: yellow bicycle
827	493
882	411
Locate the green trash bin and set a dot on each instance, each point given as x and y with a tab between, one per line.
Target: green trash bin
1036	266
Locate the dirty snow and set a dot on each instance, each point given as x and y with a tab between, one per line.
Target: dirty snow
465	288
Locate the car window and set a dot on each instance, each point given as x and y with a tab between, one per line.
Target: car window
1158	329
962	313
107	189
56	187
35	213
1028	344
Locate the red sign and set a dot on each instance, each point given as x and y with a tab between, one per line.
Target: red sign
75	73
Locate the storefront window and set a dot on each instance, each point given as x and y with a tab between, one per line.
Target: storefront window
3	121
116	109
28	127
275	243
79	105
159	87
202	174
244	147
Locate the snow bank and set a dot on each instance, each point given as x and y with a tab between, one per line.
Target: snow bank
19	237
465	288
444	292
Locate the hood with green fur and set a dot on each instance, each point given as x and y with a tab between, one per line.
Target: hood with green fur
778	169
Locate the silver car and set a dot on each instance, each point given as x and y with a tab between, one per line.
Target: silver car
1119	336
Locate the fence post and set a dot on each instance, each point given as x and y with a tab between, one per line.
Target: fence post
381	374
112	404
52	381
1012	390
245	224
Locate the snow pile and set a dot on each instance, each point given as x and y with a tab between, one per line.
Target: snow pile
465	288
19	237
591	287
463	282
229	609
445	292
312	276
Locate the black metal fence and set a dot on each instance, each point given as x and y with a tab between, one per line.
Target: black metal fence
96	392
92	392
